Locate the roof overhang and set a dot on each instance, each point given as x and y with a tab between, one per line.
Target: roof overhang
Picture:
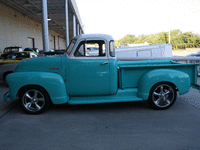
56	12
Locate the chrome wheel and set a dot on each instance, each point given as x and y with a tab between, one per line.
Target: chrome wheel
162	96
34	100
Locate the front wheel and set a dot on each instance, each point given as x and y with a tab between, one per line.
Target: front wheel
34	100
162	96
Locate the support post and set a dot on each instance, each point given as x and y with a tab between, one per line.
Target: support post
74	25
45	35
78	30
67	23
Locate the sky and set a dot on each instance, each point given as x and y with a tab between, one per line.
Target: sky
121	17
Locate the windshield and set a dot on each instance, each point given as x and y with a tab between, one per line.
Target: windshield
12	49
70	47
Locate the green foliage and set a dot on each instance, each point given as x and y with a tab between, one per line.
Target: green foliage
179	40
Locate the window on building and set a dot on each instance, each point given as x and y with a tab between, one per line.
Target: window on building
31	42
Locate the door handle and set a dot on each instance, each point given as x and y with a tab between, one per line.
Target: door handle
105	63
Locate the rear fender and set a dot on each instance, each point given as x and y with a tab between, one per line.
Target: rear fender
53	83
178	78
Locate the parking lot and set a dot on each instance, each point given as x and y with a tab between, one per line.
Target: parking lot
105	126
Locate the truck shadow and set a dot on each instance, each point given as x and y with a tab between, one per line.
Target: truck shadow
86	108
101	107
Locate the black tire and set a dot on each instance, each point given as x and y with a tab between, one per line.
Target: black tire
162	96
34	100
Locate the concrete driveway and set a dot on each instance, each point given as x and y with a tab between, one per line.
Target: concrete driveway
120	126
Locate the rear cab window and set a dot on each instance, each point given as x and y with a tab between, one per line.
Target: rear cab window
112	48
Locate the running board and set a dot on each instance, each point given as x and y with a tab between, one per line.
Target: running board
126	95
196	86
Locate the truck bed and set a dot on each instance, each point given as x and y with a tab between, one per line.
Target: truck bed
131	71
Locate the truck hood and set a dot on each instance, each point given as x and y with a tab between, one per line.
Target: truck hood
40	64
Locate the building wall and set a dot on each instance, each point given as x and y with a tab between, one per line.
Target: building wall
184	52
16	29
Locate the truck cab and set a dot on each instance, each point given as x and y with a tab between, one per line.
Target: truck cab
91	66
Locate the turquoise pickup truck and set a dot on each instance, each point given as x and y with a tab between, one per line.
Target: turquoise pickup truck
89	73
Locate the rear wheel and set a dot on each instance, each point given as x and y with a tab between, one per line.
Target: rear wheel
162	96
34	100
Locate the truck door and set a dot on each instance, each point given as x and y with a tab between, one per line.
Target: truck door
88	69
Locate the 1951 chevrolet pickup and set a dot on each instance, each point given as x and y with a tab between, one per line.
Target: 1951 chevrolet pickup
89	73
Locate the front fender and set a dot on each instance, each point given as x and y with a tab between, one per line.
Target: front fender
180	79
53	83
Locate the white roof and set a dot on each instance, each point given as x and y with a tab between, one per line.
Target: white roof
87	36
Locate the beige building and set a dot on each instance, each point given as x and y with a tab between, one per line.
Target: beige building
18	28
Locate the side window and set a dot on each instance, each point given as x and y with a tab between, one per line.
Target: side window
91	48
112	49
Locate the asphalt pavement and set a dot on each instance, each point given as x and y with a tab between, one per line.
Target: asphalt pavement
118	126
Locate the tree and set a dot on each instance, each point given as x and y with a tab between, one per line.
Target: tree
179	40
